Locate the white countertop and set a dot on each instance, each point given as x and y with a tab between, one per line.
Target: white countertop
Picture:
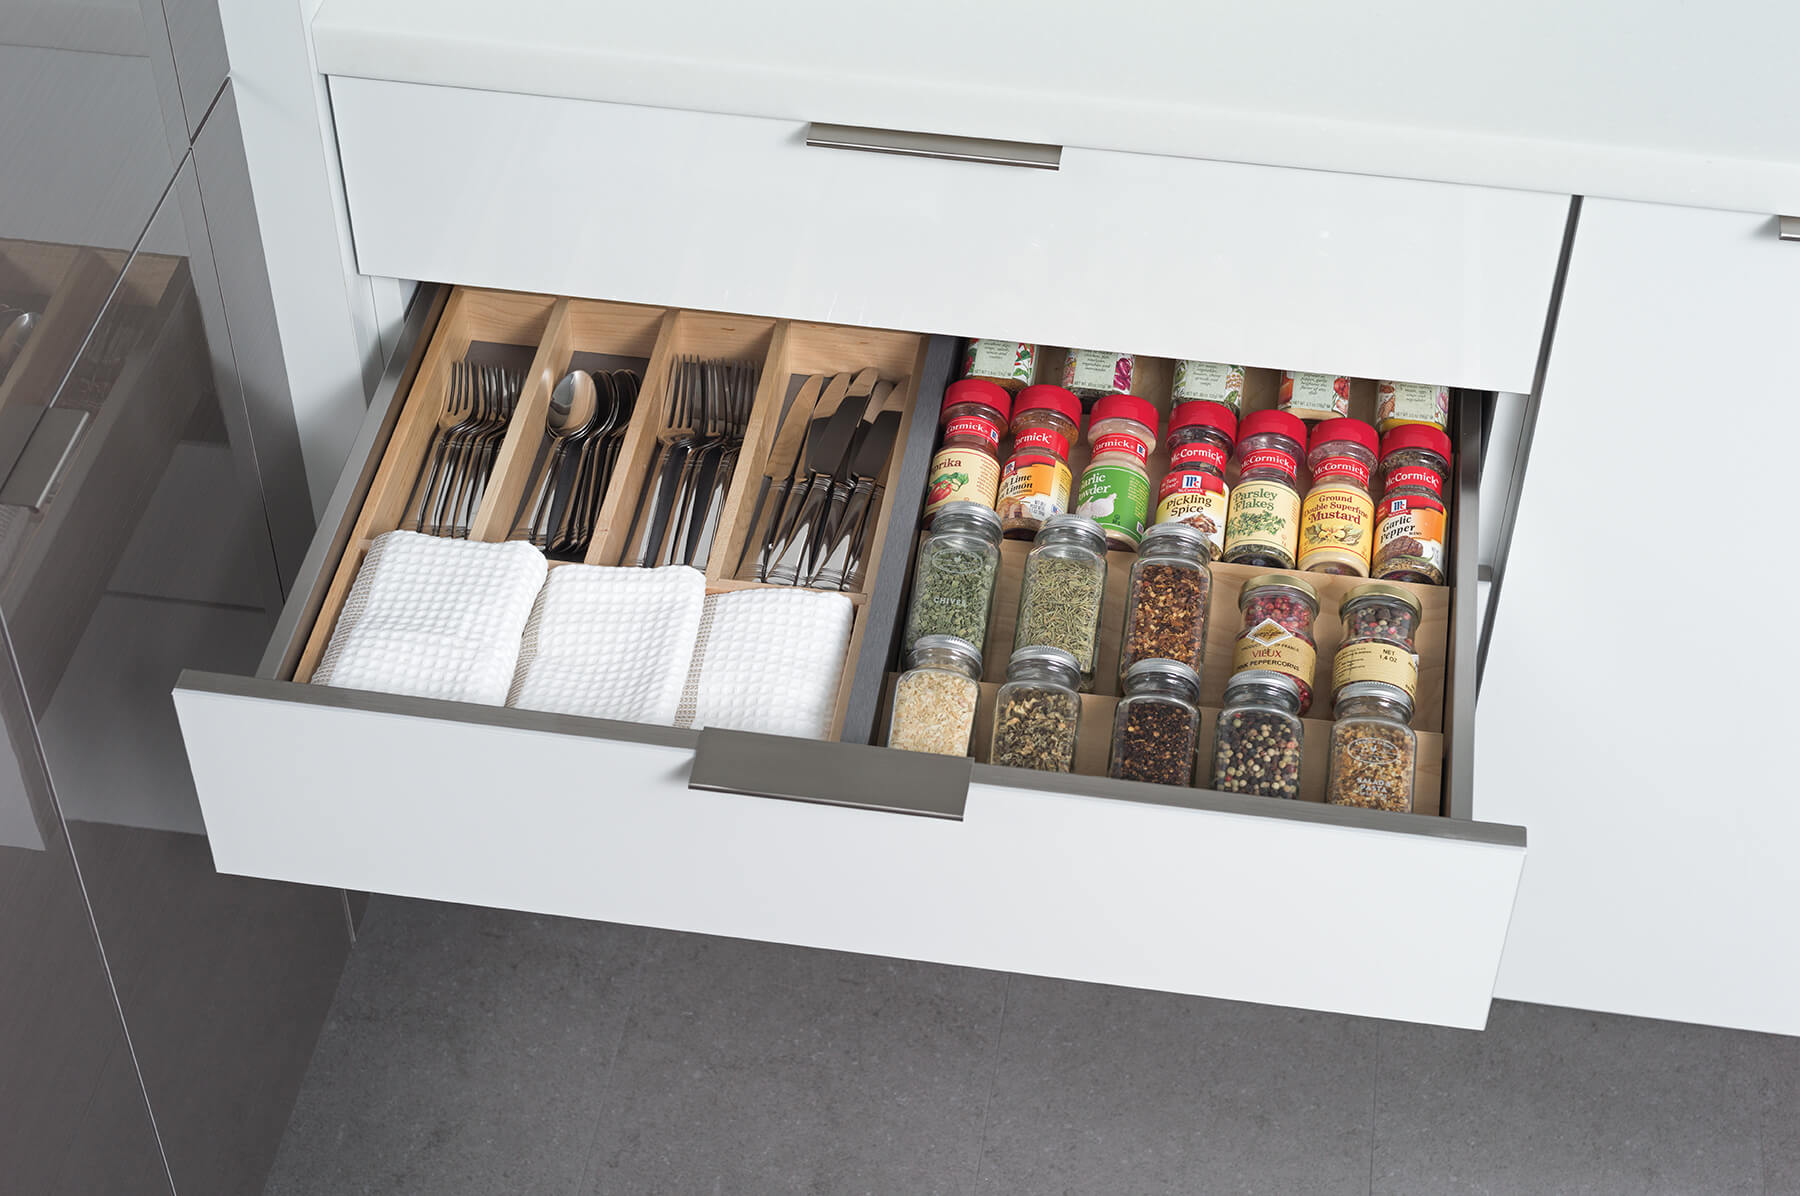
1662	100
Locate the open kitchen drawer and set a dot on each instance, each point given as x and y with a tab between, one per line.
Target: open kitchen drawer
887	852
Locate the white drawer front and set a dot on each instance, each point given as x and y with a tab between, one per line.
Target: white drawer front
1175	257
1333	917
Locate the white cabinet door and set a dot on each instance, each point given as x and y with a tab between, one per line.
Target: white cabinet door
1639	704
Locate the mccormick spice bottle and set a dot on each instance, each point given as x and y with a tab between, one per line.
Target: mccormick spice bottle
1278	613
1380	620
1008	363
1256	746
967	465
1373	750
1262	521
1037	713
1094	373
1157	724
1398	404
1210	382
1115	486
1035	481
935	699
1201	437
1062	591
1166	602
953	581
1410	520
1315	396
1337	521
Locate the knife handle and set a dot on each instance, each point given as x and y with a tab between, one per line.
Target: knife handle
841	543
789	496
825	538
865	537
786	570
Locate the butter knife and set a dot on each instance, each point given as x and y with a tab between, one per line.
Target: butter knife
826	445
778	474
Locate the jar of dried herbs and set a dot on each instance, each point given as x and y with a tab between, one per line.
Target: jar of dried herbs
1210	382
1315	396
1201	437
1256	745
1380	621
1278	615
966	467
1410	519
1399	404
1156	724
953	580
1035	481
1374	752
1094	373
1037	713
1062	591
935	698
1007	363
1166	599
1262	521
1115	486
1337	520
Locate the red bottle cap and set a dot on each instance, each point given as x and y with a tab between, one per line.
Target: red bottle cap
1416	436
1205	413
1259	423
1045	397
979	390
1353	430
1125	407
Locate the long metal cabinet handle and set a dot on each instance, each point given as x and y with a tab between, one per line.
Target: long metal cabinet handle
1789	228
832	774
1029	154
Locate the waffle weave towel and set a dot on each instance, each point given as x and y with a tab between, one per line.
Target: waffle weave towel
770	660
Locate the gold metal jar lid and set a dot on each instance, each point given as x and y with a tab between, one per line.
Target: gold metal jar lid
1381	589
1281	579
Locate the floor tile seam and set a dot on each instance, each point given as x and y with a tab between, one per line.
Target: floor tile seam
612	1064
1374	1102
993	1082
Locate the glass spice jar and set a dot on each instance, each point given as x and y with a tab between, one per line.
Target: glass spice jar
1410	519
1035	481
1166	599
1037	713
1201	437
1278	615
1007	363
935	699
1337	520
1115	486
1210	382
967	465
1063	589
1156	724
1094	373
953	579
1399	404
1373	749
1256	745
1315	396
1262	520
1380	621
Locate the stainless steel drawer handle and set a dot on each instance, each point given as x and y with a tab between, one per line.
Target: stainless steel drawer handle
1788	228
831	774
1029	154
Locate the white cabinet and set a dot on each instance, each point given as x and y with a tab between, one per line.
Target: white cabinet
1639	699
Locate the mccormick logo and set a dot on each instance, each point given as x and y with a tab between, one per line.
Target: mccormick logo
1268	633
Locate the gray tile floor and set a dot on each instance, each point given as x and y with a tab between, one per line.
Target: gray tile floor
473	1051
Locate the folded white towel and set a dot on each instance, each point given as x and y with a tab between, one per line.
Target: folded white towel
434	618
770	660
611	642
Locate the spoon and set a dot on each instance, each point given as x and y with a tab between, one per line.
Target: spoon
572	404
12	341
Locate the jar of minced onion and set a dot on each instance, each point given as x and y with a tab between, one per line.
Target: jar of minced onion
1380	622
1115	486
1035	481
953	580
1201	437
1315	396
935	698
1094	373
967	465
1007	363
1410	519
1278	613
1210	382
1337	520
1262	520
1398	404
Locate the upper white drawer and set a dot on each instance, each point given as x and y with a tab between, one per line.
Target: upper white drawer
1173	257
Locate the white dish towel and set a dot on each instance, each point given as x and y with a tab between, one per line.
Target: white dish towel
611	642
434	618
770	661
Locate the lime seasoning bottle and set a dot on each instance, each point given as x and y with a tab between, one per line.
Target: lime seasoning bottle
1115	487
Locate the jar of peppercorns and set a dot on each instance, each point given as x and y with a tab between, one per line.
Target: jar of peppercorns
1166	599
1262	520
1337	520
1256	745
1037	713
1009	363
1374	752
1115	486
1278	615
967	465
1380	621
1035	481
1156	724
1201	437
1409	520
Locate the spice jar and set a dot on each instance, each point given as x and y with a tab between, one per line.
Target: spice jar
1035	481
1373	750
934	700
1008	363
1410	520
1398	404
1315	396
1115	487
1062	591
1262	521
1337	521
1256	745
1210	382
967	465
953	580
1156	724
1201	435
1278	630
1380	620
1095	373
1037	713
1166	601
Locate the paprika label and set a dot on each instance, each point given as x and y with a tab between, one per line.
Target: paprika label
1376	660
1263	515
1337	526
1197	499
1209	382
1117	497
1409	538
1312	396
961	475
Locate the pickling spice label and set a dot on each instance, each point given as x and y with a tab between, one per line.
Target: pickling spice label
1336	523
1265	514
1376	660
1315	394
1001	361
1209	382
974	425
1197	499
1116	497
1122	442
1095	371
1200	453
1412	403
961	475
1035	486
1269	645
1409	537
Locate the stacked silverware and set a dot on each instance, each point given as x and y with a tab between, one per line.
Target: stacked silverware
824	476
584	430
684	495
461	456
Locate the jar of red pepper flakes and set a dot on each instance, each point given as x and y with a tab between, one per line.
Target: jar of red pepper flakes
1035	481
1201	437
1410	518
1337	521
1278	615
967	465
